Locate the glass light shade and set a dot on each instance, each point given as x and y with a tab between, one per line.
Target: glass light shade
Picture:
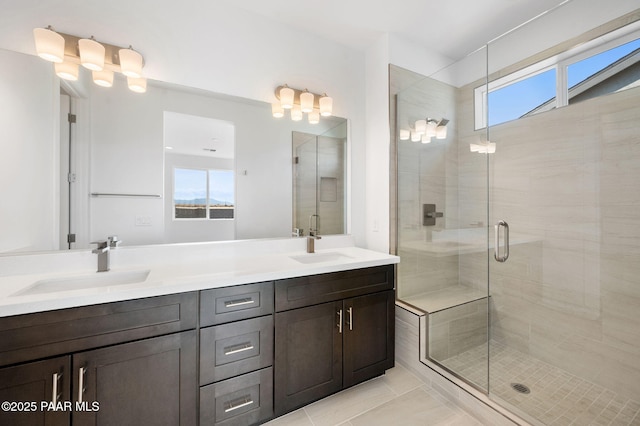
314	117
421	126
103	78
67	70
404	134
277	110
130	63
296	113
91	54
431	128
425	139
326	106
306	101
138	85
286	97
415	137
441	132
49	44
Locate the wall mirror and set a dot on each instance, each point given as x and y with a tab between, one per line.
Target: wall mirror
113	171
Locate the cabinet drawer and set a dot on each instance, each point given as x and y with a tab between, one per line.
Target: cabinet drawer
241	401
40	335
305	291
232	349
225	304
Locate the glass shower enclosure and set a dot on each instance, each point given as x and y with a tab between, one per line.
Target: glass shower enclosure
518	223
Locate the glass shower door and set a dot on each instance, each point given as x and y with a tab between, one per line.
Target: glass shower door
564	306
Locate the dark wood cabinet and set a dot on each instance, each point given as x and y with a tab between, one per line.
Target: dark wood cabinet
308	361
36	382
330	345
109	369
368	336
151	381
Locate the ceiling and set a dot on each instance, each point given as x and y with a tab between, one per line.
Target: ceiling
200	136
452	28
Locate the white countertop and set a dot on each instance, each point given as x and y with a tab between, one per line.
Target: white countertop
173	269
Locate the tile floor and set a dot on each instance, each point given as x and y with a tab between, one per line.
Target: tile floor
557	397
397	398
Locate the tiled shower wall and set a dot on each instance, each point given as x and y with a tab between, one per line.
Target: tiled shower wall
567	182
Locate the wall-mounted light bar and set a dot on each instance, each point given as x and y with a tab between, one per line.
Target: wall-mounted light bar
67	52
301	102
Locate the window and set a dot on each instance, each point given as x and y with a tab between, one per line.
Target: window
202	194
522	97
596	68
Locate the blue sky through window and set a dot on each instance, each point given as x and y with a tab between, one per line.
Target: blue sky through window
221	186
190	185
515	100
587	67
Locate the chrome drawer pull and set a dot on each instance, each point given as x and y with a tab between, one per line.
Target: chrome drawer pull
243	403
56	378
238	348
81	386
350	320
239	302
339	313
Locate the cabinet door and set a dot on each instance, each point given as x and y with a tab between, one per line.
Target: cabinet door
36	382
308	359
368	336
148	382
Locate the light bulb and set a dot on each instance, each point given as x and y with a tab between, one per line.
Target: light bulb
286	97
441	132
277	110
49	44
314	117
404	134
415	137
421	126
306	101
130	62
103	78
67	70
326	105
296	113
138	85
91	54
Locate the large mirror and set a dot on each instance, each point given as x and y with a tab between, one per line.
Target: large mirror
122	167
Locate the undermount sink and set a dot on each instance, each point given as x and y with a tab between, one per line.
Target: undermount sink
319	257
79	282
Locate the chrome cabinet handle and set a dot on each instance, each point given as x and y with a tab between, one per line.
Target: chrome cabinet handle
239	302
81	387
238	348
242	402
496	248
339	313
350	320
54	391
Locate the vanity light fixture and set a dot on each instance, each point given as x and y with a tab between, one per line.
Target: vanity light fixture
483	147
67	51
301	102
424	130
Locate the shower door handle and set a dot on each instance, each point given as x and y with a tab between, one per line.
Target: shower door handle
496	247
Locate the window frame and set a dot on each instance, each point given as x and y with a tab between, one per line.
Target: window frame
207	195
560	62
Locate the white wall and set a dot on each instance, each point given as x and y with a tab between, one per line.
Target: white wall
30	131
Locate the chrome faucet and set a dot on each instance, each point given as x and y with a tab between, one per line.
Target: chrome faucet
104	250
313	233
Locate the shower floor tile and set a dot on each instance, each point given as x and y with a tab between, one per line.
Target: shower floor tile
556	398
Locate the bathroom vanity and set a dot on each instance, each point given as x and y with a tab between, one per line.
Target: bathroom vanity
210	348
